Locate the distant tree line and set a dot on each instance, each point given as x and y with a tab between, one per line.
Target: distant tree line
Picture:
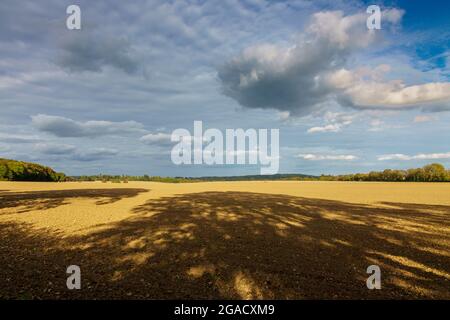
434	172
12	170
126	178
430	173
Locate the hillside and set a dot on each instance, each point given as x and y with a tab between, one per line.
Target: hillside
12	170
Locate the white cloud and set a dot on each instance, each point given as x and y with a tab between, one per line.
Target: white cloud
327	128
156	139
339	30
421	156
65	127
319	157
283	115
393	15
374	93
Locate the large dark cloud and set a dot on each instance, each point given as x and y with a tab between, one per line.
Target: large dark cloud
255	82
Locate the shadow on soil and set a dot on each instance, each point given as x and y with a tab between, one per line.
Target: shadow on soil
236	245
42	200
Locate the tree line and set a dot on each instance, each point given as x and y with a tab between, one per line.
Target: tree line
12	170
434	172
126	178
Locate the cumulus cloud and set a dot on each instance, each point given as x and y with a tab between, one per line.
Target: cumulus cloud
319	157
87	52
421	156
65	127
291	78
302	77
360	92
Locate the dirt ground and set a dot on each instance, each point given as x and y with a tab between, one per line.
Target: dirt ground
227	240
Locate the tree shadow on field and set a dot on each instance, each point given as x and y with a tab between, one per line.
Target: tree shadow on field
240	245
41	200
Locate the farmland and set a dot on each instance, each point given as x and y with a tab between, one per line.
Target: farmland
231	240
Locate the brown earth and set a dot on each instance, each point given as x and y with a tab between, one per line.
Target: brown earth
229	240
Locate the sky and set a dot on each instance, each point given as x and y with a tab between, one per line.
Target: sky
106	98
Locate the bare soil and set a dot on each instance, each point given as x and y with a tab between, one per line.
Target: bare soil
227	240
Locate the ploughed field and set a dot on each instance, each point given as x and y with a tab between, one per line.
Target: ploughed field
228	240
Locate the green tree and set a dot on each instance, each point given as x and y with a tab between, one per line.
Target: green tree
435	172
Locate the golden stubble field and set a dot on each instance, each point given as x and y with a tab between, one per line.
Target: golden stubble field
229	240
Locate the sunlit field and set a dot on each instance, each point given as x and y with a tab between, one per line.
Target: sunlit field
229	240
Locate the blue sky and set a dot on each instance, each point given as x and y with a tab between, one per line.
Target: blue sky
105	98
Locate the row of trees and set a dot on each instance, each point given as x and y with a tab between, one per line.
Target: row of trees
430	173
126	178
25	171
12	170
